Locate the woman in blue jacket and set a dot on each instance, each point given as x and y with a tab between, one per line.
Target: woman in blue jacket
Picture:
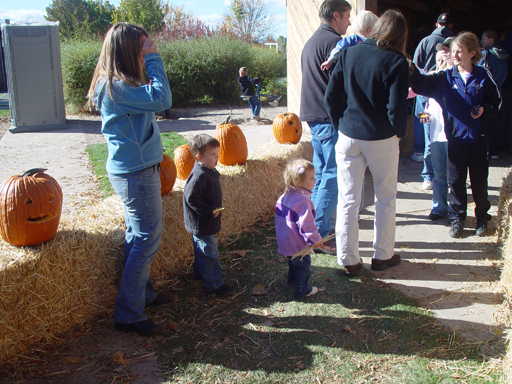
366	99
128	107
469	98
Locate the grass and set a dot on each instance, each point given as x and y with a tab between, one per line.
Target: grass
356	331
5	112
98	156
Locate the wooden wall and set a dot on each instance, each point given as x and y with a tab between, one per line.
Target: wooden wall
302	21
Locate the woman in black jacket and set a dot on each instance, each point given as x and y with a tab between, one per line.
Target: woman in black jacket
366	99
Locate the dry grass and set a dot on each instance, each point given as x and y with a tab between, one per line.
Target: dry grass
73	278
505	239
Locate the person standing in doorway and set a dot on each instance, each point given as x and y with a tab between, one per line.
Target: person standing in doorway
334	15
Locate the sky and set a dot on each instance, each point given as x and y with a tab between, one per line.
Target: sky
209	11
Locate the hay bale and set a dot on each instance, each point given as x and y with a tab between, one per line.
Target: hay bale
73	279
505	241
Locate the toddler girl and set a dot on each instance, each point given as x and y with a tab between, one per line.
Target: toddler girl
295	224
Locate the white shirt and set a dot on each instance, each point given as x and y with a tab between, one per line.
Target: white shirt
436	121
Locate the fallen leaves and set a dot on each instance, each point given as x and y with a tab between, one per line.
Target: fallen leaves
259	290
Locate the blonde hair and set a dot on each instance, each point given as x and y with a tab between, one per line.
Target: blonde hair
243	71
295	172
119	59
469	41
363	21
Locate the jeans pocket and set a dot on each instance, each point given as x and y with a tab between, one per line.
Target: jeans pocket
321	131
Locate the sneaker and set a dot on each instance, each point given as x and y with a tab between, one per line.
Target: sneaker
417	157
427	185
456	228
379	265
481	227
435	216
143	328
223	290
329	247
314	291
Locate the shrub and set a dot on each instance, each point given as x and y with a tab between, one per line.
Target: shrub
79	60
199	71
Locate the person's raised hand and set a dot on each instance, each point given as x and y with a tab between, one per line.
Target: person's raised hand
149	46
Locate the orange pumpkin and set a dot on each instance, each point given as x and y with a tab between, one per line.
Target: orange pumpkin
30	208
184	161
233	146
287	128
167	174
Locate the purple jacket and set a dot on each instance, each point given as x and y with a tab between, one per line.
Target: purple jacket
295	222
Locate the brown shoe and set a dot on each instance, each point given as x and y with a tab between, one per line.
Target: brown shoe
379	265
351	270
329	247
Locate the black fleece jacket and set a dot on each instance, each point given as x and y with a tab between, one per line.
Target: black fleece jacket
314	80
366	97
201	196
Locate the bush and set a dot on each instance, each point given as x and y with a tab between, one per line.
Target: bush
79	60
199	71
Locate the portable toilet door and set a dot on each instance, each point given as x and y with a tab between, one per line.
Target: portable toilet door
34	76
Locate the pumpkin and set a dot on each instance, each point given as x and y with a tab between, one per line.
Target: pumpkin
287	128
30	208
167	174
233	146
184	161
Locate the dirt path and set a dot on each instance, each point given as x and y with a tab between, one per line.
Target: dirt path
458	279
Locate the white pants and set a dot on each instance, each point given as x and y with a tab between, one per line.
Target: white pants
352	157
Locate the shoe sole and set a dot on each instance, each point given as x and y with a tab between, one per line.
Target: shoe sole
321	250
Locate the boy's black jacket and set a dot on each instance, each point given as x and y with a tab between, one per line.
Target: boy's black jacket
201	196
246	83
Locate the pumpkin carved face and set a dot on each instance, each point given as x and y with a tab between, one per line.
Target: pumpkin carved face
30	208
167	174
184	161
287	128
233	145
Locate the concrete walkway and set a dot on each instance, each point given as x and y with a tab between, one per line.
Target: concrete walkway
455	278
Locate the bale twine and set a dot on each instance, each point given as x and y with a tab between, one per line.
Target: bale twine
73	278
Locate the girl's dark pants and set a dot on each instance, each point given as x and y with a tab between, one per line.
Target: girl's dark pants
460	158
299	272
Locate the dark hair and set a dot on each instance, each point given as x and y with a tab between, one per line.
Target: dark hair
390	31
491	34
201	143
119	58
328	7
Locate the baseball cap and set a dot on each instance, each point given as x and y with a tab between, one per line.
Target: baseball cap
444	18
446	43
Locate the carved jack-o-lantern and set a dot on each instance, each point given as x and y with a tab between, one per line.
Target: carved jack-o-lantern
30	208
287	128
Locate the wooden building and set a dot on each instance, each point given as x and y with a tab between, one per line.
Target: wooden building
468	15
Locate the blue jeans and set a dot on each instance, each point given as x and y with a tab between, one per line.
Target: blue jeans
140	193
255	104
206	264
428	171
325	192
441	178
299	272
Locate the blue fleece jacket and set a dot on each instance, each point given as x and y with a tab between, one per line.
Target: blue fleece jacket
457	97
128	122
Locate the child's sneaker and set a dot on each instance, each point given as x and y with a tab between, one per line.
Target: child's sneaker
314	291
223	290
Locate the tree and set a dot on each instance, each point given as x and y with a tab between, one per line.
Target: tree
149	14
80	18
72	16
183	25
249	19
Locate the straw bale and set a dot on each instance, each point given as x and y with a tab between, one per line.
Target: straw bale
505	241
73	278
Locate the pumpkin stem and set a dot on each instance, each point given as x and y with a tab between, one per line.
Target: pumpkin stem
33	171
226	120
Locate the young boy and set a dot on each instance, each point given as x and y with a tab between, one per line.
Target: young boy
246	83
201	199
